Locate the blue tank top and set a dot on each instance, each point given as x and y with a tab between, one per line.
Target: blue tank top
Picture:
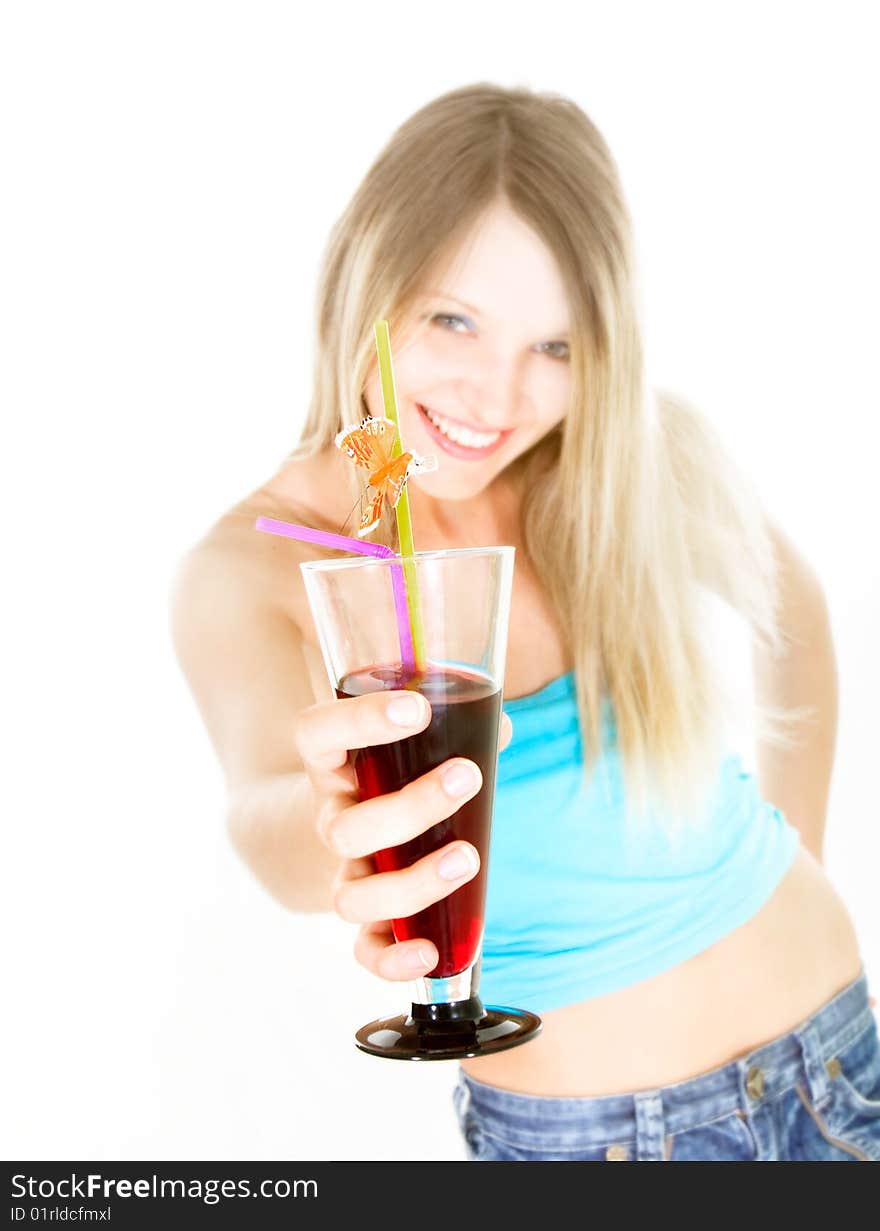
579	904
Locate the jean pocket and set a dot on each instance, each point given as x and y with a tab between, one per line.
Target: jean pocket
852	1110
855	1070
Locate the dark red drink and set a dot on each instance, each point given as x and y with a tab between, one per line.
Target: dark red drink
465	712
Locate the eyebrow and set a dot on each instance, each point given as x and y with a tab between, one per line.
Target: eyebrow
560	334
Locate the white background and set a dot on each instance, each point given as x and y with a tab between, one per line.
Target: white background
171	172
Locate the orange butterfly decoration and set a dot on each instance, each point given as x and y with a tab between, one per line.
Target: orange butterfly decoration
369	444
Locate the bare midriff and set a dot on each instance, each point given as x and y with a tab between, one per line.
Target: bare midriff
753	985
756	983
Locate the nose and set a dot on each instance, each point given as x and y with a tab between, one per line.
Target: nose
493	392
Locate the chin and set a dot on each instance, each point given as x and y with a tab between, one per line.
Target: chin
451	489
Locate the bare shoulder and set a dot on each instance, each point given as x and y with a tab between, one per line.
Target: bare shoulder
234	562
244	638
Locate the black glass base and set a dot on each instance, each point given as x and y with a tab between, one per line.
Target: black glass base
451	1031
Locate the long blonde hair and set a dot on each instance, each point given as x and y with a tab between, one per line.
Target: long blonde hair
632	506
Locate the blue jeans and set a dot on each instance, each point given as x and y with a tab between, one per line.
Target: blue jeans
810	1095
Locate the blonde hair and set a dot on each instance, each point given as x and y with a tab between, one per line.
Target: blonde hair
632	506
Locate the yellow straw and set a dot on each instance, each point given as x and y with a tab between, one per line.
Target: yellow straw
404	523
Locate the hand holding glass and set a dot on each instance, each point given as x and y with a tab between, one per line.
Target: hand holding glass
465	605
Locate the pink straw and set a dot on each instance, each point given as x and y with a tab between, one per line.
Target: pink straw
341	542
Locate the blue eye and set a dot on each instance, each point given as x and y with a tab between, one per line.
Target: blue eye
556	355
443	317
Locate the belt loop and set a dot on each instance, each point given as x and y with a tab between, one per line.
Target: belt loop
649	1126
814	1065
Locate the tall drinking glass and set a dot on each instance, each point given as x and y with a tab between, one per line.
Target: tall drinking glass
464	603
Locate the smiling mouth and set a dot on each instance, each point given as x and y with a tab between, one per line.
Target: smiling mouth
463	434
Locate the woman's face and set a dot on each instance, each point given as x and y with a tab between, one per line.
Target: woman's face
488	359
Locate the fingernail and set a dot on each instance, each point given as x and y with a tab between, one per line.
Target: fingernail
458	863
459	779
417	961
405	711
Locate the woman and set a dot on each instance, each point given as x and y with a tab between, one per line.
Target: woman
699	979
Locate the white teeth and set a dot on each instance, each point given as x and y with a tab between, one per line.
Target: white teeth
461	435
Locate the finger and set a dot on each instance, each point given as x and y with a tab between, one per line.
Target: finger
353	870
330	808
397	895
326	732
505	731
376	950
389	820
337	784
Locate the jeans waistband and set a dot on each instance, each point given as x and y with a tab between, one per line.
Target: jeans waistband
763	1073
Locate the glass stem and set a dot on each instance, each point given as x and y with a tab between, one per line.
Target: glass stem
461	986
